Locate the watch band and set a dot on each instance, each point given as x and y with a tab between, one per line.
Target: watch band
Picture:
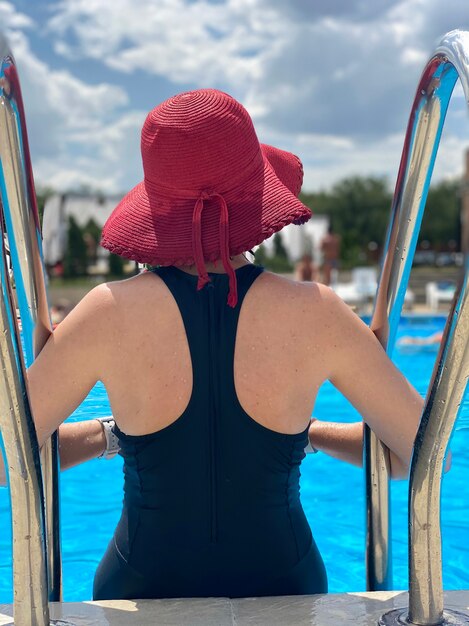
112	441
309	449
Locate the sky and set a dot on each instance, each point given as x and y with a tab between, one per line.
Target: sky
331	80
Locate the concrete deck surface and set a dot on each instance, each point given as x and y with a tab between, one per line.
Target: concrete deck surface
360	609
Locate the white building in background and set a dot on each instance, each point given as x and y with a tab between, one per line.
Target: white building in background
299	240
82	208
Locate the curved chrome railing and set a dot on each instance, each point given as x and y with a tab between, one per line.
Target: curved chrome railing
24	470
36	538
450	61
442	407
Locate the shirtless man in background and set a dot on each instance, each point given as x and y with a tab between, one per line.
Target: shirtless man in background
330	248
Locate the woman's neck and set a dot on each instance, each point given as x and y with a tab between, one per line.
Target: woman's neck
217	267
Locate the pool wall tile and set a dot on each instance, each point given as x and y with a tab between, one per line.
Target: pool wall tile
359	609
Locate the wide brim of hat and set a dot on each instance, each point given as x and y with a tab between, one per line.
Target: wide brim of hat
150	227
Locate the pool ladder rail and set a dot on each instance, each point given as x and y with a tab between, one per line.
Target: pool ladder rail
448	384
33	476
36	542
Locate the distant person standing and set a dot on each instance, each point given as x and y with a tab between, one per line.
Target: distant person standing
330	248
306	270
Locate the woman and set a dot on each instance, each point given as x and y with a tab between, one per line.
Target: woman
212	367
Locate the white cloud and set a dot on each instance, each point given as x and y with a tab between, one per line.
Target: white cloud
334	67
110	158
10	18
60	100
327	159
331	80
184	41
64	113
380	158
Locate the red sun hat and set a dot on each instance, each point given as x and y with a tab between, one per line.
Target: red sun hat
210	190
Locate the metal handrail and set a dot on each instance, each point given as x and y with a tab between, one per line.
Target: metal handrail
444	399
24	469
450	61
36	539
413	180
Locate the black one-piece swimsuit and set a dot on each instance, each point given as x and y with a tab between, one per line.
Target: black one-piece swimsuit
211	505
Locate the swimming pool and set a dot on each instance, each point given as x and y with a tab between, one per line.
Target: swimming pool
332	495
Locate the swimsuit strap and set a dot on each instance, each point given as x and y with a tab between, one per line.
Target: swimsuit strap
209	323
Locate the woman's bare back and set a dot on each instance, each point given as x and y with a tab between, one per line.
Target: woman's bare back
279	358
291	338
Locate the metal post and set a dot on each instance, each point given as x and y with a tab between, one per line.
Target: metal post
450	60
22	453
442	406
36	540
418	157
24	236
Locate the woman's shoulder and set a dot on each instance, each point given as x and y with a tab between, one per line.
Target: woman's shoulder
310	307
108	304
275	293
297	294
126	291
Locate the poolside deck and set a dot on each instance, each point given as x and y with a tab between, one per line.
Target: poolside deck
360	609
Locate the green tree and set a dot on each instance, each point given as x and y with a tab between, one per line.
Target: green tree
359	211
75	261
116	265
280	251
279	261
93	229
92	236
261	257
441	220
42	194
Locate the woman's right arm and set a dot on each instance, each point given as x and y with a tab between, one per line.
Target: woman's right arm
80	442
362	371
72	360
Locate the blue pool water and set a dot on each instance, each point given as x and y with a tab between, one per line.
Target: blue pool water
332	495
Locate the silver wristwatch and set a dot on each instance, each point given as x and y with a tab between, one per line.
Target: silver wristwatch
112	441
310	449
